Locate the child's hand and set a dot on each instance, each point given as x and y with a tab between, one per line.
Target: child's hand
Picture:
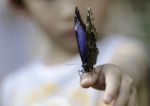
119	87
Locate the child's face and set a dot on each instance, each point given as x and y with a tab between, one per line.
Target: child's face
56	17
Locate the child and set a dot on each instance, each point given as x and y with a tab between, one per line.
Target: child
50	81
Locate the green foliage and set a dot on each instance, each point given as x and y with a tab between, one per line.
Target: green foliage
143	8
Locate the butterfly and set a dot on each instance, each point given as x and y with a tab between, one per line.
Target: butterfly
86	40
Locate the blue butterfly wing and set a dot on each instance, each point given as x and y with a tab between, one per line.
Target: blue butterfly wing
81	36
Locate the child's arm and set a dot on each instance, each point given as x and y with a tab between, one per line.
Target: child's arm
122	78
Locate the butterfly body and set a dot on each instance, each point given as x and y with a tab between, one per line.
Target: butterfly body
86	40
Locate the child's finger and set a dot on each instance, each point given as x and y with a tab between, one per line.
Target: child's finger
125	92
94	79
106	76
112	80
133	98
86	80
89	79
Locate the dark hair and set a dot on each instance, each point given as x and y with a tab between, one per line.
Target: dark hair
17	3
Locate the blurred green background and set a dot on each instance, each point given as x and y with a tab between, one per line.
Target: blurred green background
144	13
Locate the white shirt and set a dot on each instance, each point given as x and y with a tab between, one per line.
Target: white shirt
40	85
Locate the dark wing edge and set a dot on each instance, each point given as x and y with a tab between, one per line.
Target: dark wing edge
91	40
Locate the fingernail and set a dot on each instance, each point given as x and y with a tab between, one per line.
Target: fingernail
107	99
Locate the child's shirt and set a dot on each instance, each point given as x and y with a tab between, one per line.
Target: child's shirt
59	85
